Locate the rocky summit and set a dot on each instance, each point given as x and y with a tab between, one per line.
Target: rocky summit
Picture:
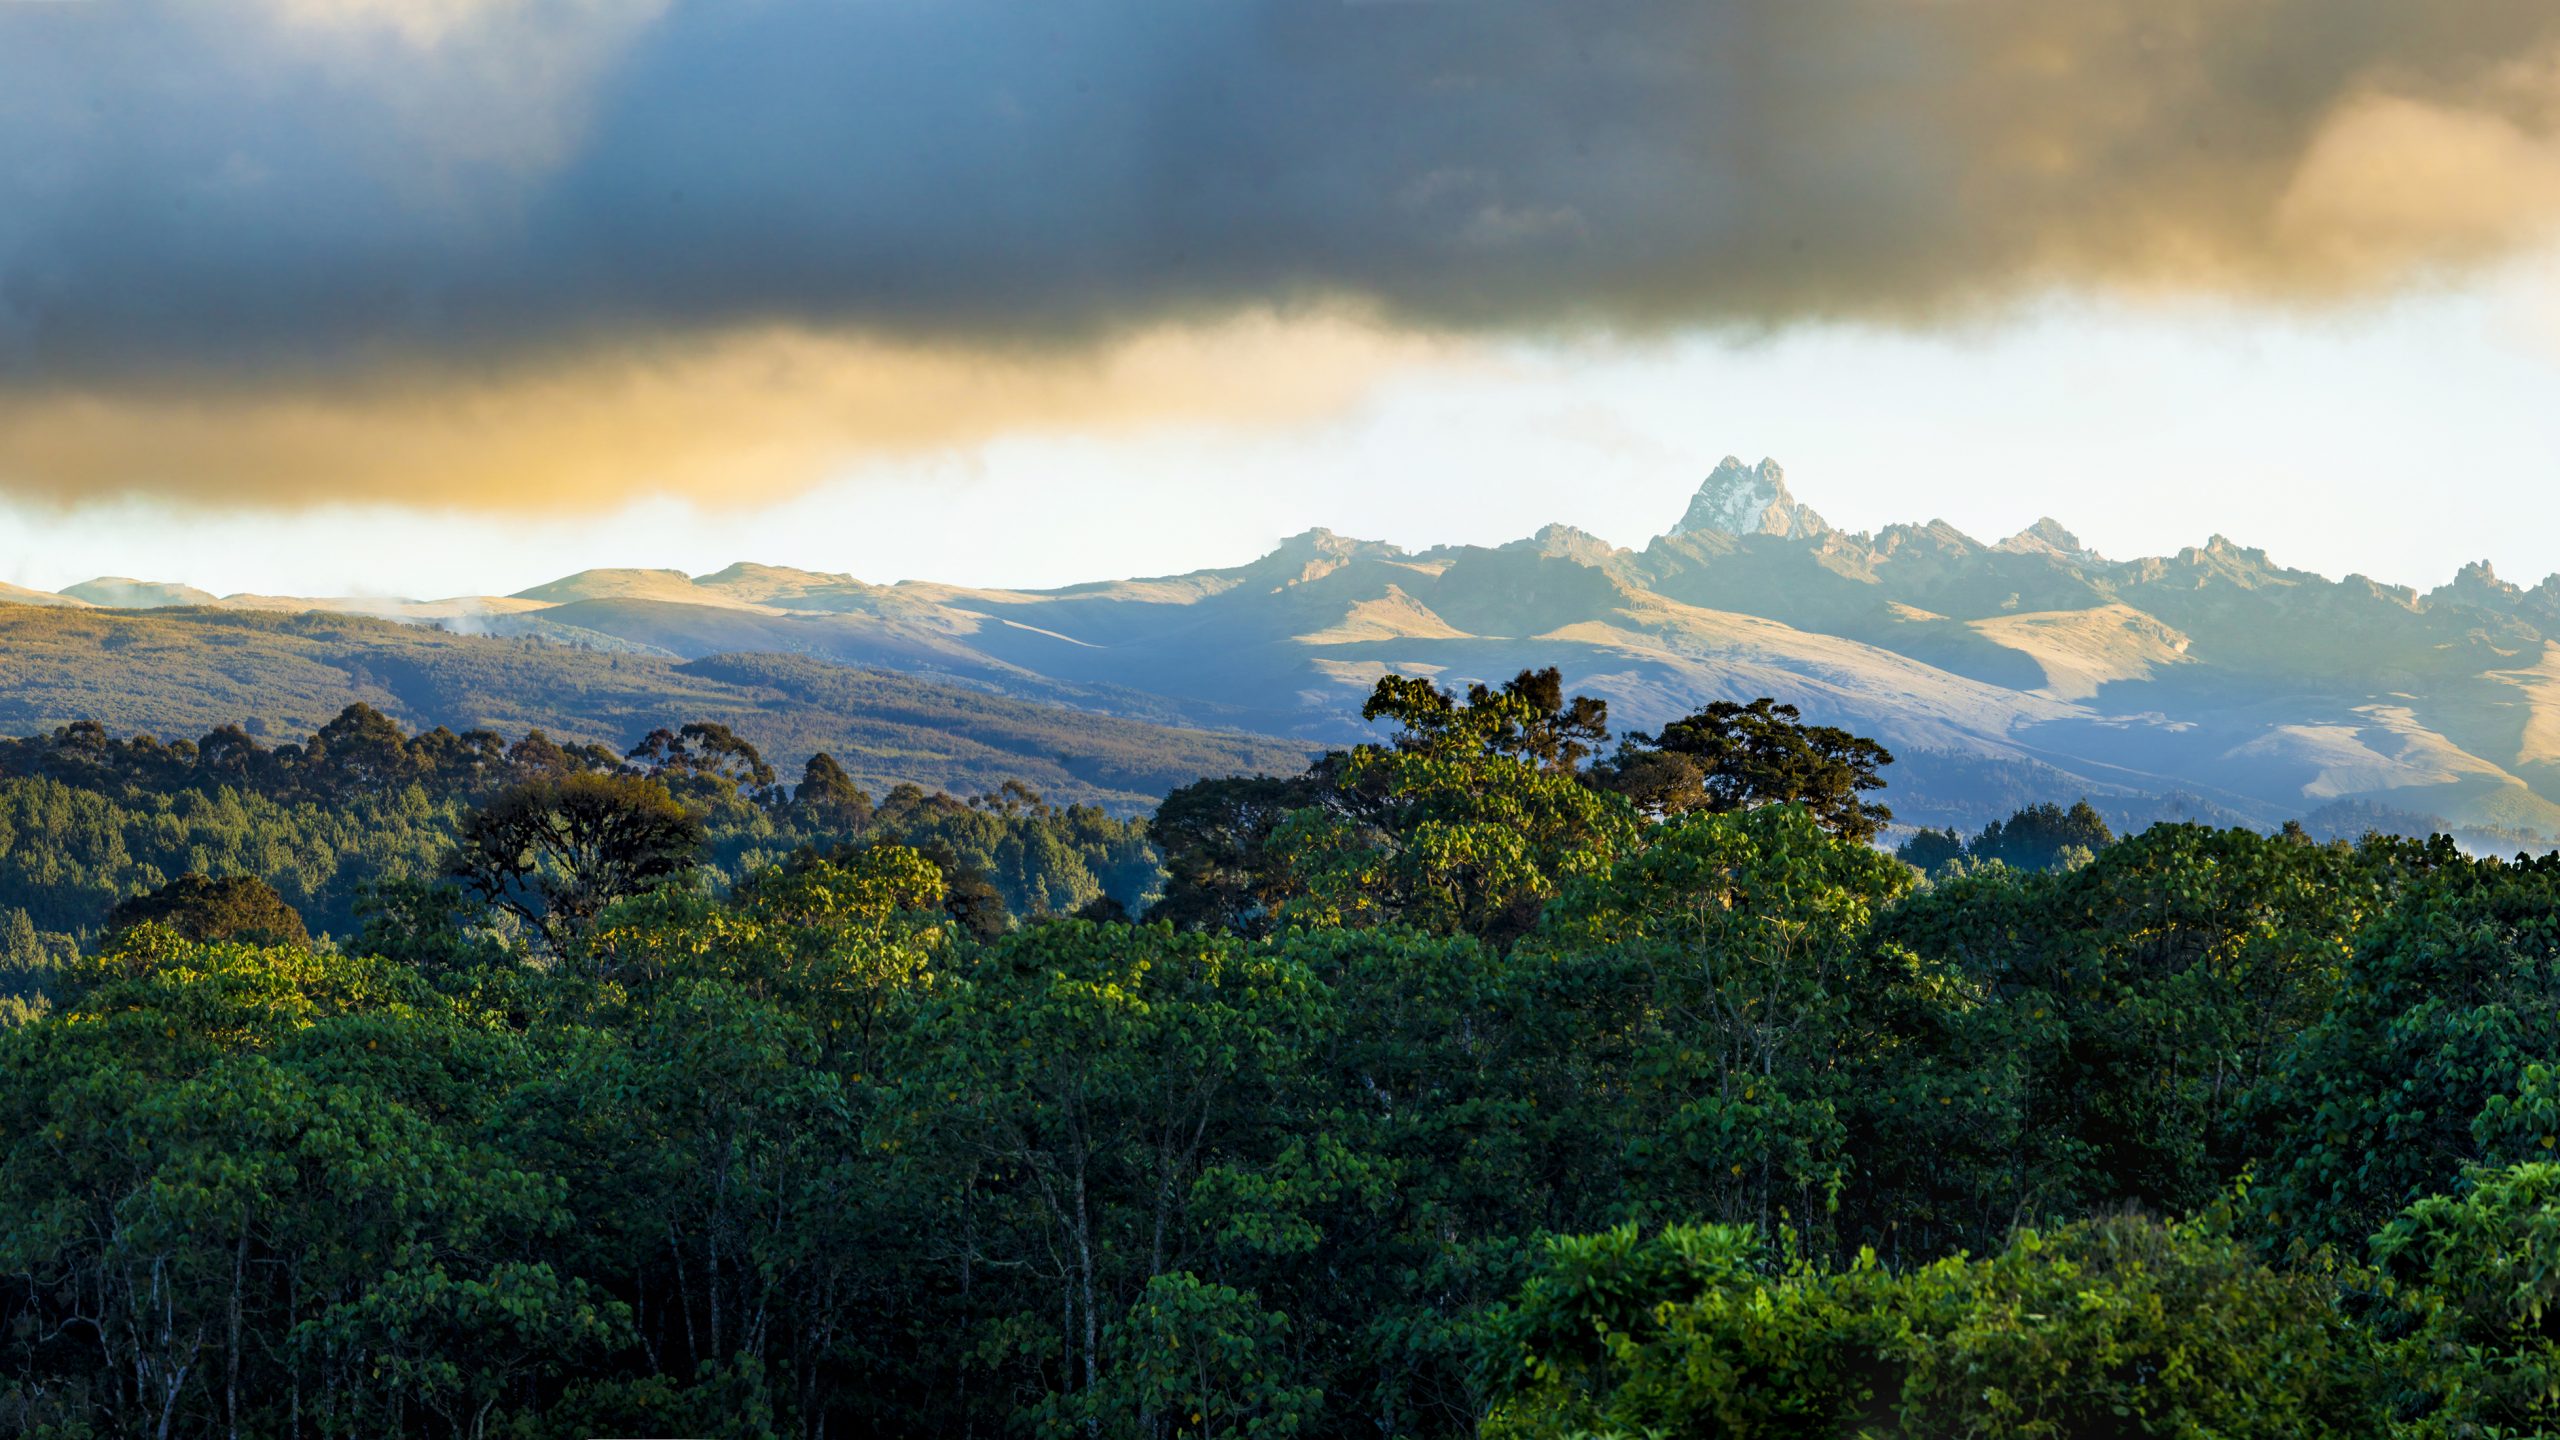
1739	499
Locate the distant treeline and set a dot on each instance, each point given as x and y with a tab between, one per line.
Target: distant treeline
88	818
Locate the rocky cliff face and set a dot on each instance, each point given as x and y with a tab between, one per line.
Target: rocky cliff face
1739	499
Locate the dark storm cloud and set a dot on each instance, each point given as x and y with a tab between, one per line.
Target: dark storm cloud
562	252
209	189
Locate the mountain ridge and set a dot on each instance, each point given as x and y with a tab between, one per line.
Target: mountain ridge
2212	672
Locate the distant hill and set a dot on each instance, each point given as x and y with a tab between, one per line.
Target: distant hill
116	592
180	673
2212	682
21	595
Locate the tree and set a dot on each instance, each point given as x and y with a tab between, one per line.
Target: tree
428	927
1192	1357
1468	822
539	757
2445	998
257	1189
1077	1090
28	960
361	750
235	907
827	796
2476	1294
702	750
1215	835
232	753
1527	719
1696	1016
1734	757
555	853
470	761
2096	1035
2044	837
2116	1327
1928	850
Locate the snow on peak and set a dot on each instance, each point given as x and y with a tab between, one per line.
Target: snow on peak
1739	499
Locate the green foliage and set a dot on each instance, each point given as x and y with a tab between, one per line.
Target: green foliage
2114	1327
1041	859
1467	823
1221	871
1191	1358
1700	1010
28	960
259	1180
361	811
554	853
2043	836
2103	1030
1465	1099
2477	1285
2446	998
235	907
67	855
1730	757
826	796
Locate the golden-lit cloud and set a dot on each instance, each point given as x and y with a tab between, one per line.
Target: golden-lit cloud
563	252
742	417
2393	185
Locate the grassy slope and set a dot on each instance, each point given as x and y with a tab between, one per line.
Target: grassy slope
179	673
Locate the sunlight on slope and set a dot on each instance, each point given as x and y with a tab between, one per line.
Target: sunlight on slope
2540	684
1726	655
668	586
1392	616
2394	751
2081	650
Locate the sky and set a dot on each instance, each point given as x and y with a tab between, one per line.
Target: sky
454	296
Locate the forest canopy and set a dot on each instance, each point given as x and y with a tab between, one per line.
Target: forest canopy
1454	1086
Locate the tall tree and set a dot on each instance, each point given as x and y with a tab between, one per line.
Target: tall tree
1528	718
1467	822
1215	836
1730	757
555	853
361	750
235	907
827	796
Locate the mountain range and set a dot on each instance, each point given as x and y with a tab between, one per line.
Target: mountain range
2212	682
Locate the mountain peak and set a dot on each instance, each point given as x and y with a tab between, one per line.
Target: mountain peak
1314	553
613	583
1567	543
2478	583
2047	534
749	572
1739	499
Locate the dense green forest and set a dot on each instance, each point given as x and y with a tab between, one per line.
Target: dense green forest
1482	1080
88	819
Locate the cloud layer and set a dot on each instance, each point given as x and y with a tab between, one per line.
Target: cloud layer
738	417
280	212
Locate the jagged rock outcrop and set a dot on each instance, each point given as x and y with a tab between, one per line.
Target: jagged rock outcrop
1739	499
